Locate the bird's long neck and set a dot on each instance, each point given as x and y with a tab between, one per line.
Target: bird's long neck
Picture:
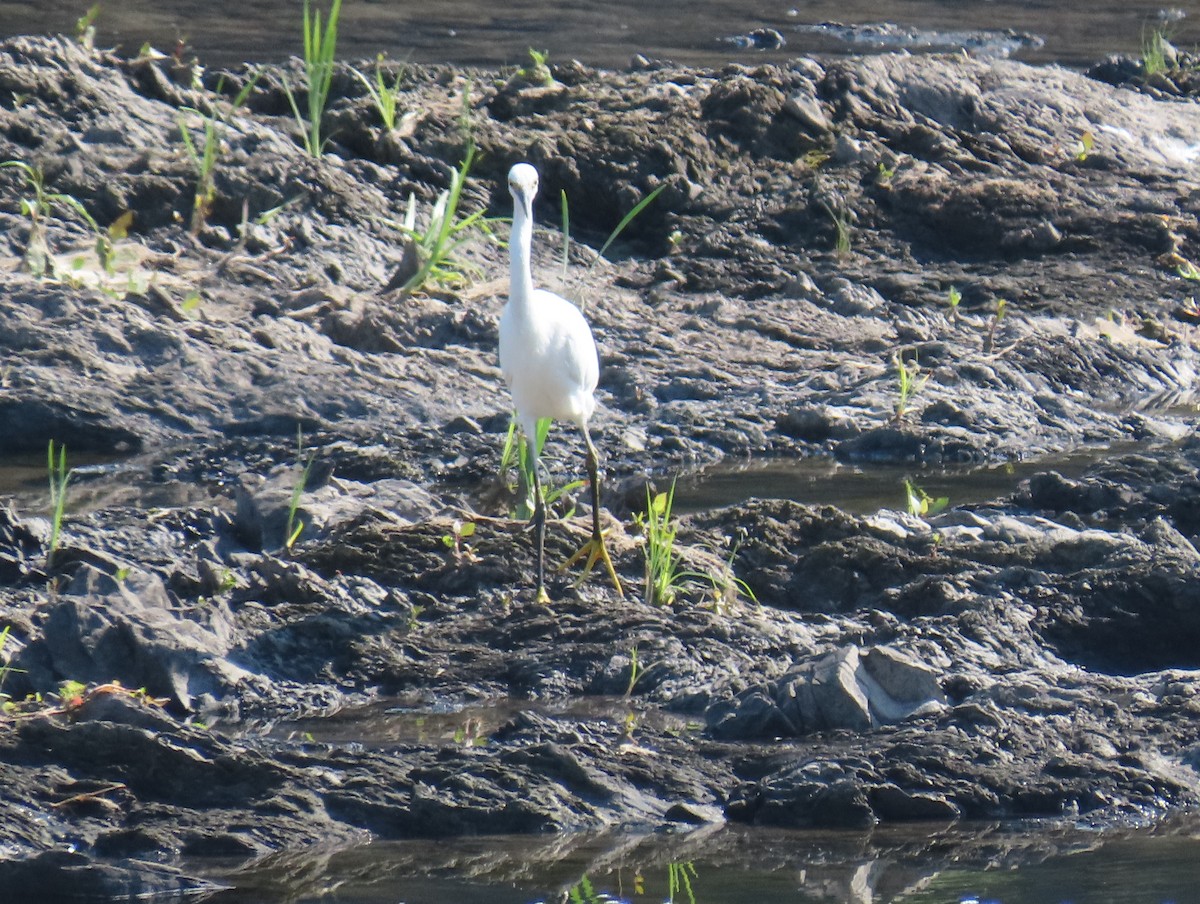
520	250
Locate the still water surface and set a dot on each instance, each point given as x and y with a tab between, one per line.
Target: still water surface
605	33
736	865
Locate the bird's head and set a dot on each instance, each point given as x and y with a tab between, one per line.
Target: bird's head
523	183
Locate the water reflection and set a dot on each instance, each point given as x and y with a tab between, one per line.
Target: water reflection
1004	863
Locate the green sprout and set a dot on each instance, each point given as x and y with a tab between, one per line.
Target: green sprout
566	231
5	699
460	531
59	477
920	504
629	217
39	207
989	342
537	72
85	27
383	94
295	524
953	299
204	158
635	671
320	47
1084	146
909	381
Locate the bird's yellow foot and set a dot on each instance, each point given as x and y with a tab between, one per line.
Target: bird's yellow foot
595	550
542	598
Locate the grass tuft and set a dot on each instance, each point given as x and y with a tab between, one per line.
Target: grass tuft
320	48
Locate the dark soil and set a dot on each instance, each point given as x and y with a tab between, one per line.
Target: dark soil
1033	656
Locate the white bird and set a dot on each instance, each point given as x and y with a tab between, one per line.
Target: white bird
549	359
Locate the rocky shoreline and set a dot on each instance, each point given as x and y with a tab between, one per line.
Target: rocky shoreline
1031	656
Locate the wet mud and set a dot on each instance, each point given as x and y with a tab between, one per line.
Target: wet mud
1029	656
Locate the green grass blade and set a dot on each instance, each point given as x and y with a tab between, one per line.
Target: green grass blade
566	232
629	217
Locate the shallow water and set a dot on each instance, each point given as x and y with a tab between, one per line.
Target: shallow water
605	34
863	489
921	864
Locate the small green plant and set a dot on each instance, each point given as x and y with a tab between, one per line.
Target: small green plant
566	231
1158	54
1083	147
37	208
71	692
629	217
536	72
884	175
841	223
295	524
989	341
466	126
59	477
85	27
726	585
437	244
662	576
384	93
470	733
516	454
5	699
320	48
583	892
204	158
635	672
953	299
921	504
459	532
1188	271
909	381
414	617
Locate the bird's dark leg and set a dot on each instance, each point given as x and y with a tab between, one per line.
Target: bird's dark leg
595	549
539	528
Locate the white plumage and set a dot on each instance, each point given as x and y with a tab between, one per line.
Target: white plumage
549	359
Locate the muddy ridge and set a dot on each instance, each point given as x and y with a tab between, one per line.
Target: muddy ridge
1035	655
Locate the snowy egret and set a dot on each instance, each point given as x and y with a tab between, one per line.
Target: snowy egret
549	359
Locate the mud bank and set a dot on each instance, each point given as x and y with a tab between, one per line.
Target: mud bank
1033	656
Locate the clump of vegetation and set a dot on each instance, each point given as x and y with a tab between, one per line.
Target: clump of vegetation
384	93
204	156
432	253
515	454
320	48
909	381
662	576
1158	53
840	216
